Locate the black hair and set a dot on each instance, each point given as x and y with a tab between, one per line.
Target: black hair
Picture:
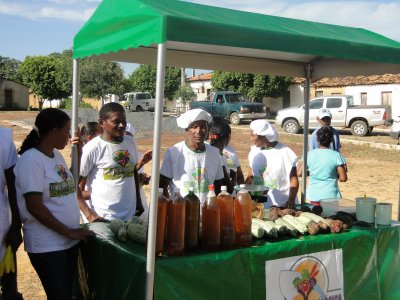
46	120
109	108
219	130
325	136
90	128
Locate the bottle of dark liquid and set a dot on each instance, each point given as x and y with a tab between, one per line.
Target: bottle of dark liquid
227	229
242	213
192	220
161	222
210	238
176	225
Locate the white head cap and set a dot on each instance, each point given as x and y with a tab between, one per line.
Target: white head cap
263	128
191	116
129	128
324	112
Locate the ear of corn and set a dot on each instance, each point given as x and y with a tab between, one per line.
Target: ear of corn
305	220
296	224
315	217
257	231
268	227
291	229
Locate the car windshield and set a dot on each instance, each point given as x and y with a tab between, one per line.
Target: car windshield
236	98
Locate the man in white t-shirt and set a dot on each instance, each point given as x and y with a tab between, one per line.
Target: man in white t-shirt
272	164
192	163
110	162
10	230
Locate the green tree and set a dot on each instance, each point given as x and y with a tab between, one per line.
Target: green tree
186	93
99	77
254	86
9	68
39	73
63	74
143	79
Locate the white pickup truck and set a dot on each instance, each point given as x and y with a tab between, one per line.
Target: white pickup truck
361	119
138	101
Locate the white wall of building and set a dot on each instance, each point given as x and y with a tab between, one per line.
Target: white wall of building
374	95
296	98
200	88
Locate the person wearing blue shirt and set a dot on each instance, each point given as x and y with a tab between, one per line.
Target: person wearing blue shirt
324	118
326	167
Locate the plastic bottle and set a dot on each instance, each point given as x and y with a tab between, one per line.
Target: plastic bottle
192	220
210	238
161	222
242	213
227	229
176	225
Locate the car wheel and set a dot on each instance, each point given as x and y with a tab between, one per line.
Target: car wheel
139	108
291	126
359	128
234	119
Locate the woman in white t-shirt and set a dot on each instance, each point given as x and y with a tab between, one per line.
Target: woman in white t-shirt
48	205
272	164
10	228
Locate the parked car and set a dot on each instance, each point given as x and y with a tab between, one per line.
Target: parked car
138	101
361	119
395	129
233	106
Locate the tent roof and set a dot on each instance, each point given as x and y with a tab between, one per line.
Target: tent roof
207	37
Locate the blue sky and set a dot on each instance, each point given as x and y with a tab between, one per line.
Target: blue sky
40	27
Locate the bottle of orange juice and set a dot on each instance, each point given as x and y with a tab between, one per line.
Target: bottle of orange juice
161	222
242	213
210	238
192	217
227	229
176	225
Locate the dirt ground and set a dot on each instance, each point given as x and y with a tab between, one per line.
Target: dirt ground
374	172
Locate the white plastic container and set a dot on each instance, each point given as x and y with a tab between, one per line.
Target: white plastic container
383	213
365	209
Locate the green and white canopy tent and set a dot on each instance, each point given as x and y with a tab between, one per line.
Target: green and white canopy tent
182	34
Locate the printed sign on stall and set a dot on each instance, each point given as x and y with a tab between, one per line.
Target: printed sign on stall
306	277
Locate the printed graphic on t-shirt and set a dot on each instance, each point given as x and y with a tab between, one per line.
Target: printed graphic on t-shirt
64	187
124	166
269	180
198	180
229	161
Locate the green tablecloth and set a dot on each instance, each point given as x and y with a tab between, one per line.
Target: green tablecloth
111	269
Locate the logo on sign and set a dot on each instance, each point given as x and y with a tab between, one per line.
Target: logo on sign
313	276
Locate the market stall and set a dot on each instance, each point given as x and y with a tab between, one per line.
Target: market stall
112	269
176	33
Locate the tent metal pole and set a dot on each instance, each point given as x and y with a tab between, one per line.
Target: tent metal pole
74	125
151	237
305	133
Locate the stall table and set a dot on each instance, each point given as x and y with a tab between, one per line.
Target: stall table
111	269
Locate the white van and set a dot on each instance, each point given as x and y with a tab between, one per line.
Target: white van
138	101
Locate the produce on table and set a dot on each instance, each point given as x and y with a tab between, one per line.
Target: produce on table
135	229
300	227
137	232
257	231
257	210
115	225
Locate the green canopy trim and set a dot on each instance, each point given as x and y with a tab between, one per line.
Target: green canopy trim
123	24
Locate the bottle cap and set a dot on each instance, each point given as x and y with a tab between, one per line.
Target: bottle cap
242	186
224	188
211	187
191	189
